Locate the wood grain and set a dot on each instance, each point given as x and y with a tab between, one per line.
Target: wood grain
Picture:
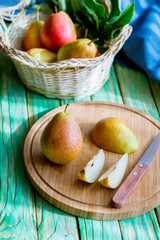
136	91
66	192
17	209
99	230
155	87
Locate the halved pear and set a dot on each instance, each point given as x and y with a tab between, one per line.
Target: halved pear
93	168
114	175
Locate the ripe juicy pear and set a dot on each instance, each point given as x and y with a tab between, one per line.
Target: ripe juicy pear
113	135
57	30
43	55
114	175
93	168
32	36
81	48
61	140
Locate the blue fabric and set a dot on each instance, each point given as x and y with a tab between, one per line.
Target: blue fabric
8	3
143	46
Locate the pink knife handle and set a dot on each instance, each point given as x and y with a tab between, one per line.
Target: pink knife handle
129	184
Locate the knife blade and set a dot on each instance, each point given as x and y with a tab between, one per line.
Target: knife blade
136	174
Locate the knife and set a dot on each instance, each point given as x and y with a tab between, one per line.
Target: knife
136	174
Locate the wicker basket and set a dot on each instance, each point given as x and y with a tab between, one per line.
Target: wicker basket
9	13
71	78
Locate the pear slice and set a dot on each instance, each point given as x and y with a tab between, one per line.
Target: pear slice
93	168
114	175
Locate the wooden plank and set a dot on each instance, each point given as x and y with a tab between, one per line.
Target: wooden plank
51	222
110	91
136	93
93	230
142	227
155	86
158	214
17	209
54	224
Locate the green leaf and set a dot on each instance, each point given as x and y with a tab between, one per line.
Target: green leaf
115	8
43	7
78	7
125	17
62	5
96	8
51	4
90	8
69	9
110	28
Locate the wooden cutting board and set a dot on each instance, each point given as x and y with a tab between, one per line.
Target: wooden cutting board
59	184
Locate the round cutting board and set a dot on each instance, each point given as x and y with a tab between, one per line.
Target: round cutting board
59	184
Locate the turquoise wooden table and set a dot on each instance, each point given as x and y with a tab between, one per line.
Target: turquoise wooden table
23	213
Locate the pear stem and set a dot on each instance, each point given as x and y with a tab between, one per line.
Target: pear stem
93	40
38	13
66	108
86	33
55	9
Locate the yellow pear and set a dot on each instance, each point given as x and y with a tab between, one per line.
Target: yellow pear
32	35
61	140
93	168
81	48
114	175
113	135
43	55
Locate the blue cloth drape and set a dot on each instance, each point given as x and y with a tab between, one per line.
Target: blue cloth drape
143	46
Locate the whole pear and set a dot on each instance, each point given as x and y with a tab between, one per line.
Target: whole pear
81	48
43	55
113	135
58	30
32	36
61	140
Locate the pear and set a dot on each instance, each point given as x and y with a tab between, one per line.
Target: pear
113	135
43	55
93	168
61	140
114	175
81	48
58	30
32	35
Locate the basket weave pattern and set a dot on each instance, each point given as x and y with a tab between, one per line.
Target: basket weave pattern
9	13
64	79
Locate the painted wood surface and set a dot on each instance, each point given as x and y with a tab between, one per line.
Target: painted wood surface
23	213
17	205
